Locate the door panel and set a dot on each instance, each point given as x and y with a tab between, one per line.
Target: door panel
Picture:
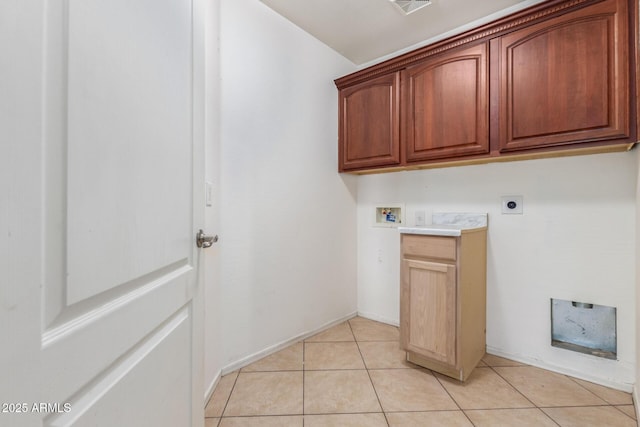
97	338
142	373
127	98
112	325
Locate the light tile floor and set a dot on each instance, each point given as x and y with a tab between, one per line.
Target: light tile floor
354	374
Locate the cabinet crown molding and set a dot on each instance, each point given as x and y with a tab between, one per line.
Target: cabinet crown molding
511	22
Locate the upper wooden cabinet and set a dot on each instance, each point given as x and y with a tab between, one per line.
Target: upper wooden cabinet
370	123
557	78
445	111
565	80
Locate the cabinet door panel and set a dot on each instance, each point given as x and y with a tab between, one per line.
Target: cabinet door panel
428	295
446	105
565	80
370	123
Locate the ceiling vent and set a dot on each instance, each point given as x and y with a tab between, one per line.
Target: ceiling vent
409	6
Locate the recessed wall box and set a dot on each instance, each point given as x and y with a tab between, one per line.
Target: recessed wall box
584	327
389	215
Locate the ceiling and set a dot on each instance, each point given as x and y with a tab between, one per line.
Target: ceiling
366	31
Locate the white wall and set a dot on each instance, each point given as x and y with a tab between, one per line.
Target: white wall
287	250
575	241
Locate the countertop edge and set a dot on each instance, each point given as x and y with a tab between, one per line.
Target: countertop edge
435	231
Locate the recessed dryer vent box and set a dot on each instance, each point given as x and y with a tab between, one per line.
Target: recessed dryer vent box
584	327
389	215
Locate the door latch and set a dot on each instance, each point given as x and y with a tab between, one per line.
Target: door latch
204	241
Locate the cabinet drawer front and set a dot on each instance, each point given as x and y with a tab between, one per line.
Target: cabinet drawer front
429	246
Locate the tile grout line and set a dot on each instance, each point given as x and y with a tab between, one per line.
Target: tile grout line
384	414
521	393
592	392
304	374
511	385
228	398
541	408
602	398
617	407
575	406
451	397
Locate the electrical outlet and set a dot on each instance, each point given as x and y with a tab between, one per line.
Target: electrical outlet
420	218
512	205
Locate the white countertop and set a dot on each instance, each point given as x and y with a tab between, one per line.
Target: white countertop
449	224
439	230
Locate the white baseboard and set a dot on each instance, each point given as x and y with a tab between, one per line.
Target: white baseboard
377	318
245	361
209	392
627	388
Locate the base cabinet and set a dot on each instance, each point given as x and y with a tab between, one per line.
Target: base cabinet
443	301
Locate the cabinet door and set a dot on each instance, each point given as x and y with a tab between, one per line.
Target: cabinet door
428	310
370	124
565	80
446	110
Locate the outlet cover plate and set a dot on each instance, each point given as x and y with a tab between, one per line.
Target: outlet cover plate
512	205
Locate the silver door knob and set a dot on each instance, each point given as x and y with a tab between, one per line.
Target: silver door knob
204	241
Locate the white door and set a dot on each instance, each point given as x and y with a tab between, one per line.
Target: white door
101	137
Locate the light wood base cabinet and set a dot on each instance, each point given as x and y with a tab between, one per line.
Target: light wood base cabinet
443	301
